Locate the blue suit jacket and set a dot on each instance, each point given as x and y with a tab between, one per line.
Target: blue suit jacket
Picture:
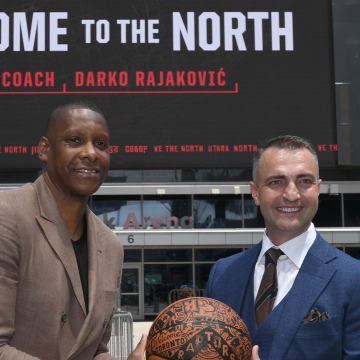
328	282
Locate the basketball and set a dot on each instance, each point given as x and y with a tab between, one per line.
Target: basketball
198	328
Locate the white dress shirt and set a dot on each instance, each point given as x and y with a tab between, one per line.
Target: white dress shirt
288	264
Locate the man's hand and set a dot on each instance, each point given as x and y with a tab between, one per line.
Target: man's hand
255	353
139	351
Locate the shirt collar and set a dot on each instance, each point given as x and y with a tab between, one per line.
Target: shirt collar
295	249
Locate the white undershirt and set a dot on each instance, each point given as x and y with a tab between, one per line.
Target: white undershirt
288	264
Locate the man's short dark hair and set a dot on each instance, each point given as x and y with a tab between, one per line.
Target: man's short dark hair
82	104
289	142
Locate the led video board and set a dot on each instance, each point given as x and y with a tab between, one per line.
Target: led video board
183	84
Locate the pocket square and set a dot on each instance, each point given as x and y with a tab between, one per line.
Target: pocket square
314	316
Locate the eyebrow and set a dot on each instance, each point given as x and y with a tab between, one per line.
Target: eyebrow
307	175
274	177
78	131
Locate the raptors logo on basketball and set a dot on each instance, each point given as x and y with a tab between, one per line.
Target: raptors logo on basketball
198	328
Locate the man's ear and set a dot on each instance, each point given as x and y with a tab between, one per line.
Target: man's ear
255	192
43	149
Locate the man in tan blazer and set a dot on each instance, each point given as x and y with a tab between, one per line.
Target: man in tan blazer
50	307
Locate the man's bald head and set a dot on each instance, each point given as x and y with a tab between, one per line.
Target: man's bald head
75	150
58	113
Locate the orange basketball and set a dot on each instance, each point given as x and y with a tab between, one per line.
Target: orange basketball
198	328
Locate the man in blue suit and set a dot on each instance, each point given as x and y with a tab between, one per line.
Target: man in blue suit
316	301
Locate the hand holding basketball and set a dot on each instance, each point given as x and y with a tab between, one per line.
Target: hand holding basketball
139	351
255	353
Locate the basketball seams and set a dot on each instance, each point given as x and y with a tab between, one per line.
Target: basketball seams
173	306
205	344
188	323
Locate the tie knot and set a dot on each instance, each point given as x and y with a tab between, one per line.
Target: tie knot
272	255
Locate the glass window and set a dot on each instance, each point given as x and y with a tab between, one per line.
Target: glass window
160	283
168	211
167	255
351	209
132	255
353	251
214	254
253	217
122	176
178	175
130	281
202	272
161	175
217	211
217	174
114	211
329	212
129	300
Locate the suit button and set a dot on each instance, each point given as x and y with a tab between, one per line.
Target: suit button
63	318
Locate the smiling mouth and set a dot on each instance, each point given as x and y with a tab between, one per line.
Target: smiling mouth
86	171
288	210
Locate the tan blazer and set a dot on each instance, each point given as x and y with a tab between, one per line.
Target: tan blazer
42	308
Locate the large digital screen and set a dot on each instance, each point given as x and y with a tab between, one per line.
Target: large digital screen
182	83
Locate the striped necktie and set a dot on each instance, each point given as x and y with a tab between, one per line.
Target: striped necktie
266	295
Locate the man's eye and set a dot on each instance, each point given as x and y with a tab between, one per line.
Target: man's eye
307	181
102	144
74	140
275	182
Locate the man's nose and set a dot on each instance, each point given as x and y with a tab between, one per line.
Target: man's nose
291	192
88	151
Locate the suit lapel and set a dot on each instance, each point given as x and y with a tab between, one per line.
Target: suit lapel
54	228
95	260
314	275
245	287
95	265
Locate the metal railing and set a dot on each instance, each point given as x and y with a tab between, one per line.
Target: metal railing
121	341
